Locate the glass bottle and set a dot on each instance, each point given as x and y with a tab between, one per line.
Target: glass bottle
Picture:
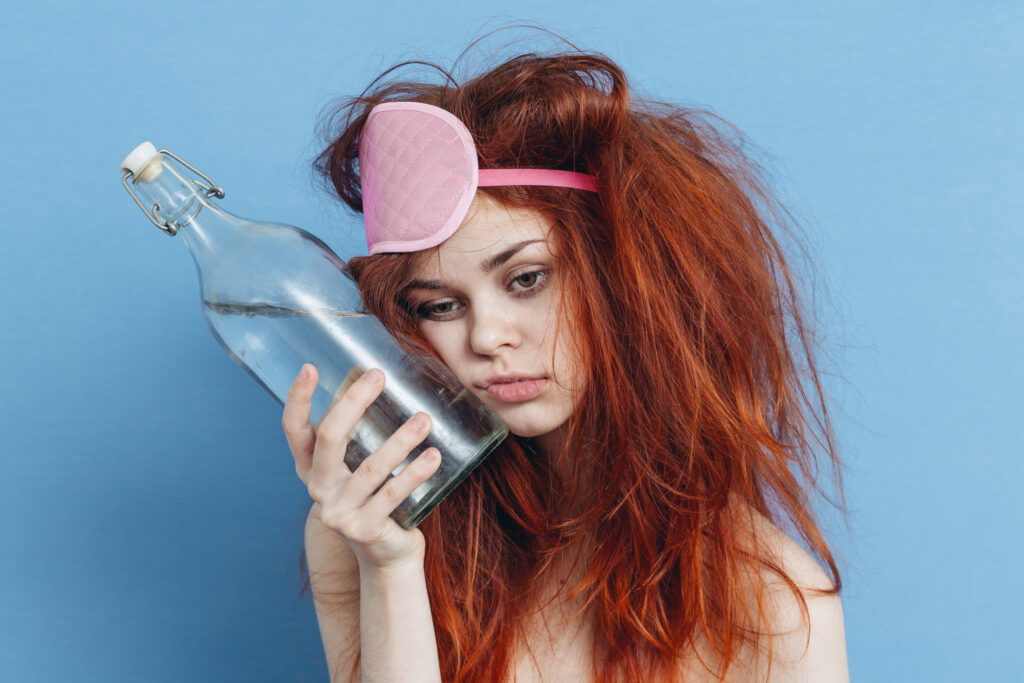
276	297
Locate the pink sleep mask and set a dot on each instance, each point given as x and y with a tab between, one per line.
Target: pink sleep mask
418	171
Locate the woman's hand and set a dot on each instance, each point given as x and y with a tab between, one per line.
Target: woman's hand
348	504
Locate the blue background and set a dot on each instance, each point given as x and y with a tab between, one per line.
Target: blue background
151	519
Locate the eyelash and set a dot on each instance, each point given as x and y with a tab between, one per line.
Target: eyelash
424	311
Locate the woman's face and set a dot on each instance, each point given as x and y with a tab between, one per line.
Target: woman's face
487	303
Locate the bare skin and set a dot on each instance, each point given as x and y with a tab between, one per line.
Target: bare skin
482	322
395	631
555	642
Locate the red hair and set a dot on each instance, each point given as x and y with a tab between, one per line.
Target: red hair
701	383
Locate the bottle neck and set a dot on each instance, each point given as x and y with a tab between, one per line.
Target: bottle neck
168	192
181	204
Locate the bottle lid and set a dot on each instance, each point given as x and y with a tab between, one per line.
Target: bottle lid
139	159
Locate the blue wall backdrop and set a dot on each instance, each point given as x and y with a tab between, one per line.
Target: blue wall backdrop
150	518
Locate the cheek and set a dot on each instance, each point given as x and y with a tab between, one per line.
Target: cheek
559	351
446	344
569	368
569	365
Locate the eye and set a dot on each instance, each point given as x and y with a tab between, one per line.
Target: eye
521	286
526	279
441	310
531	281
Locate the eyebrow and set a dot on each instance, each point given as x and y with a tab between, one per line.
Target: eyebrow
486	266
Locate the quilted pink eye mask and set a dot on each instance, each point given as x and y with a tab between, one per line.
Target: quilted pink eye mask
418	171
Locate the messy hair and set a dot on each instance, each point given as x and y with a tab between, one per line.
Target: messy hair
701	383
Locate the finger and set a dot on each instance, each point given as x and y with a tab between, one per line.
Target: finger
295	419
384	502
335	430
373	471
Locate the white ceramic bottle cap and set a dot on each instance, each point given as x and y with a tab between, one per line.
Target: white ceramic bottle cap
139	158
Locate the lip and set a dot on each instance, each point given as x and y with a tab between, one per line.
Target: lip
506	379
515	389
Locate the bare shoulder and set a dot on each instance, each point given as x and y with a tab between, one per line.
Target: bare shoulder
811	649
334	579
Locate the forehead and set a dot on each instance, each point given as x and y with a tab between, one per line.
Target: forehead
489	227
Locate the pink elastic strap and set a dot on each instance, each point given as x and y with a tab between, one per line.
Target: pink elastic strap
419	172
498	177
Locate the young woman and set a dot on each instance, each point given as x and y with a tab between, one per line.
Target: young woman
607	282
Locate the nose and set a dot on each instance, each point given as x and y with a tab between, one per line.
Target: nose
493	327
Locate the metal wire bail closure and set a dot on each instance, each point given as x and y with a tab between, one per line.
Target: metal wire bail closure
211	189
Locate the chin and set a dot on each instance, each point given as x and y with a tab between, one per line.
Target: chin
531	419
530	427
530	432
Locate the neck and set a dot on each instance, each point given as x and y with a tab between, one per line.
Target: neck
569	474
551	446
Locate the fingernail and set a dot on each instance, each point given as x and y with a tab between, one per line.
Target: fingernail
419	421
432	455
373	377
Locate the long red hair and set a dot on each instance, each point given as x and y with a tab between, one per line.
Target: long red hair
701	384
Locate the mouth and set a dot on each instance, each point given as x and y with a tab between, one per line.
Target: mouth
516	390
